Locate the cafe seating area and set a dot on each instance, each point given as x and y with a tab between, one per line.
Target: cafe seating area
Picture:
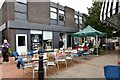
57	59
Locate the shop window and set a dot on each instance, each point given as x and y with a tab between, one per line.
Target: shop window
21	40
36	40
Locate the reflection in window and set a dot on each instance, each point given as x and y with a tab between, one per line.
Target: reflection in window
61	15
53	9
80	21
75	16
76	21
36	40
61	12
22	1
21	40
53	15
80	18
61	18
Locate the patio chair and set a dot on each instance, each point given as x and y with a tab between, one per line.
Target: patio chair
35	68
91	51
69	56
61	59
112	72
51	62
85	54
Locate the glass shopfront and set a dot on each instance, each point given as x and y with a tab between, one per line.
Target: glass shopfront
36	40
47	39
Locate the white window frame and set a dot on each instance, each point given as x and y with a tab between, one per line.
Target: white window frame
53	9
61	12
53	15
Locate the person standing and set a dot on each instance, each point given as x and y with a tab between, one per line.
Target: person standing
5	47
61	44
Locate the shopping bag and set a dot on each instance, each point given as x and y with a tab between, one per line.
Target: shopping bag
9	51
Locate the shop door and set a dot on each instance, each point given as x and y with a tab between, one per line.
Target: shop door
21	43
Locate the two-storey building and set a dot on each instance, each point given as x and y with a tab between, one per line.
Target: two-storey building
32	25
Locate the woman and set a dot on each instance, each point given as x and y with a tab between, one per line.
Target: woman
5	47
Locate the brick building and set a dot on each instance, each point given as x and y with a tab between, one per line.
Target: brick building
32	25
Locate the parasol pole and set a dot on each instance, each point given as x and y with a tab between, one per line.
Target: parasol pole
72	42
97	44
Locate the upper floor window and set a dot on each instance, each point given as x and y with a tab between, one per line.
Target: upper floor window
75	16
53	9
80	19
61	18
76	19
22	1
61	15
53	13
61	12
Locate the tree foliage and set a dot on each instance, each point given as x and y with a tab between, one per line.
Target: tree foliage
93	19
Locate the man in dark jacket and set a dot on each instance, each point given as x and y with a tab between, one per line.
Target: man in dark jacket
61	44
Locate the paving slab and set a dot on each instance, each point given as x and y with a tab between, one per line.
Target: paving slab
90	68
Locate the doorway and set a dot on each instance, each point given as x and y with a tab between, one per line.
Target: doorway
21	43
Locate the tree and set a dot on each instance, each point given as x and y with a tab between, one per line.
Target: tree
93	19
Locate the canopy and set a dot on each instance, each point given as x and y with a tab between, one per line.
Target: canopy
88	31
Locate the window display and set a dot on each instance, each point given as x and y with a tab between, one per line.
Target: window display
36	40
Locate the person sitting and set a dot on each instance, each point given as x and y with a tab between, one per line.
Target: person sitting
90	44
85	48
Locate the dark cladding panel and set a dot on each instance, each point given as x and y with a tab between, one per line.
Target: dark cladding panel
52	4
20	7
20	16
69	17
0	37
56	39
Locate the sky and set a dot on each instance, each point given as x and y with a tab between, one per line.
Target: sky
78	5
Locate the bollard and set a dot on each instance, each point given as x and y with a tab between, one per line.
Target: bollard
41	70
